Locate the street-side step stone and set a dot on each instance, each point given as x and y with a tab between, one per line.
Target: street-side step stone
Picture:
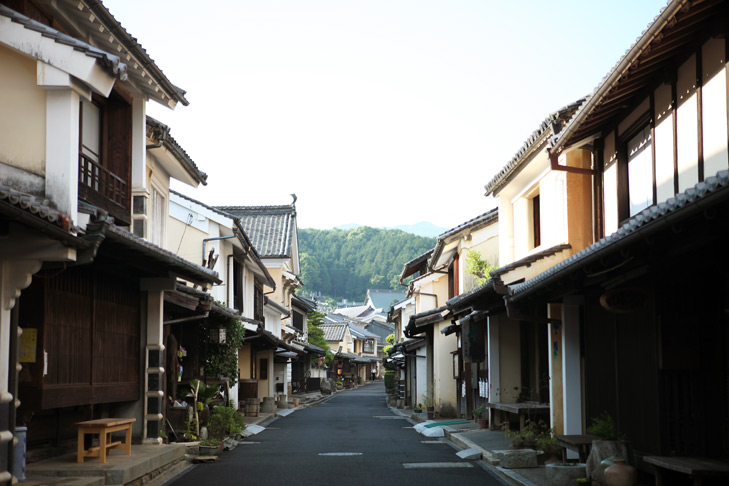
471	454
517	458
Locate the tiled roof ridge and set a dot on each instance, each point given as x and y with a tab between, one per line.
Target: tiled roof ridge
559	115
112	228
110	61
283	207
628	51
37	207
491	213
99	9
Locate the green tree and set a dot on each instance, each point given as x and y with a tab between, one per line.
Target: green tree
316	335
344	264
478	267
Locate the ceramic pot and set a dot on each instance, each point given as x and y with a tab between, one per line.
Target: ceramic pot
621	474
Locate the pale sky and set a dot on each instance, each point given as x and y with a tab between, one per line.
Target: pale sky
376	112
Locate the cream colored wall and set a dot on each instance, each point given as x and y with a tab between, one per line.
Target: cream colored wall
506	231
188	238
714	107
445	384
23	119
509	361
277	275
244	362
610	186
713	136
265	387
435	284
663	142
486	242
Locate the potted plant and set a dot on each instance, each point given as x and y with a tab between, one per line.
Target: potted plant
210	447
609	443
548	444
418	408
478	415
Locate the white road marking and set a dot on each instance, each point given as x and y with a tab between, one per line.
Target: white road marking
435	465
340	453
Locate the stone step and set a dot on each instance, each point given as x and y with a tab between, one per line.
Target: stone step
119	469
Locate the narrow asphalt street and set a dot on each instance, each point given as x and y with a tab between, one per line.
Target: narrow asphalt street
353	439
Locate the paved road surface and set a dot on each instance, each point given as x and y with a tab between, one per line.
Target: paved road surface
352	439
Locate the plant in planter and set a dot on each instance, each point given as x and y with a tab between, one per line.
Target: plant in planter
225	421
610	443
429	403
418	408
203	396
479	414
549	445
210	447
529	436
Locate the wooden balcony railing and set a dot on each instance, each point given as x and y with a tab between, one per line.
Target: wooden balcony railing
101	187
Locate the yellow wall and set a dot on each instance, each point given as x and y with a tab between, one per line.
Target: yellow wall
23	116
579	202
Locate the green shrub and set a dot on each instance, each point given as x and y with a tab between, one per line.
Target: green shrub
604	427
225	421
389	380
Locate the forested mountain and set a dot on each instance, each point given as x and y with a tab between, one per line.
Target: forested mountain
345	263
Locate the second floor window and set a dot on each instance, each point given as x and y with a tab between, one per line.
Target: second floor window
298	321
238	286
536	222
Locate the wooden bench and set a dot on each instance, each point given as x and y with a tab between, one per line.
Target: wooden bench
578	443
696	467
104	428
523	409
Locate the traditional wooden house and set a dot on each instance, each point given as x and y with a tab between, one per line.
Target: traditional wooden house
544	218
82	300
642	312
273	232
443	275
216	240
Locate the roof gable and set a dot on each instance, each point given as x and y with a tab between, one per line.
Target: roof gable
272	229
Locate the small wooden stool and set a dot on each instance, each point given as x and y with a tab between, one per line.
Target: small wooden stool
104	428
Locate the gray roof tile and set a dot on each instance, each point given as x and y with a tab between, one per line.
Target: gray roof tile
110	62
270	228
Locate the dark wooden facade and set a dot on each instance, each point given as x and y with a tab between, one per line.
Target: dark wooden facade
87	345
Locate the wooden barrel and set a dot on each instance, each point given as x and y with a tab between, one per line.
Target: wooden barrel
252	407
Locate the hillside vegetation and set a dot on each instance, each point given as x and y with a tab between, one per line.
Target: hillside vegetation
345	263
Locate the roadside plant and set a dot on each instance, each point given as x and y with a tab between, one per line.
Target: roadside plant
427	399
603	426
479	411
225	421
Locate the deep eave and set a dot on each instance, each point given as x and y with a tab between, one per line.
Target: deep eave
666	42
